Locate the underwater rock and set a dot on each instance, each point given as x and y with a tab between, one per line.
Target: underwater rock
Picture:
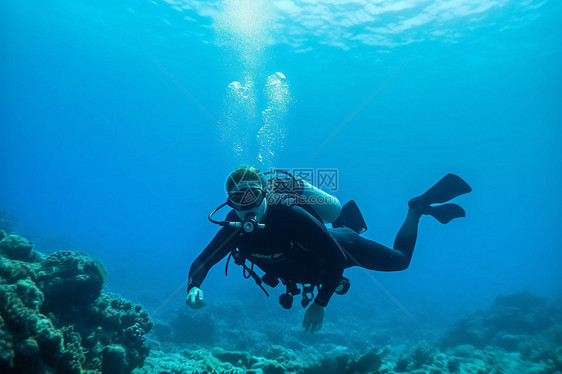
15	247
163	331
505	324
54	317
114	359
193	326
453	364
70	279
518	333
520	313
236	358
369	362
274	351
422	355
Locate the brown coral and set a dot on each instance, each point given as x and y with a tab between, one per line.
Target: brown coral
54	317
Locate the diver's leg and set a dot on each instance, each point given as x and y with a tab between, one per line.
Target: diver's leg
408	233
374	256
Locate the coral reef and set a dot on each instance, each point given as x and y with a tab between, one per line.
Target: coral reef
54	317
217	360
16	248
348	364
520	333
422	356
521	326
506	324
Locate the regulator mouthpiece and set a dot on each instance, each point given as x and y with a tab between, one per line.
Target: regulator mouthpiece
248	226
250	223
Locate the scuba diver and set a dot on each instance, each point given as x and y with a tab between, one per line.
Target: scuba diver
277	223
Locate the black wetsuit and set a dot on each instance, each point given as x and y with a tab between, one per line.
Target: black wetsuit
297	247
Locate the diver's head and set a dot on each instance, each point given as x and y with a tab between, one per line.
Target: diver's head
245	187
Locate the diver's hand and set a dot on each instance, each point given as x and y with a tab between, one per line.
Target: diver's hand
313	318
195	298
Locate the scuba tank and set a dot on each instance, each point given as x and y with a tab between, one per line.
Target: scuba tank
298	191
325	205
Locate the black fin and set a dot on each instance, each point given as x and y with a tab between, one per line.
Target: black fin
351	217
449	187
446	212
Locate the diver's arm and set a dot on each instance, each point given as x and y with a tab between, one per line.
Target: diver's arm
312	234
216	250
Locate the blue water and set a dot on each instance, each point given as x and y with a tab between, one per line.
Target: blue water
102	151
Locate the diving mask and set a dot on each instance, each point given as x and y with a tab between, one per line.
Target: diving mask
250	205
246	198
